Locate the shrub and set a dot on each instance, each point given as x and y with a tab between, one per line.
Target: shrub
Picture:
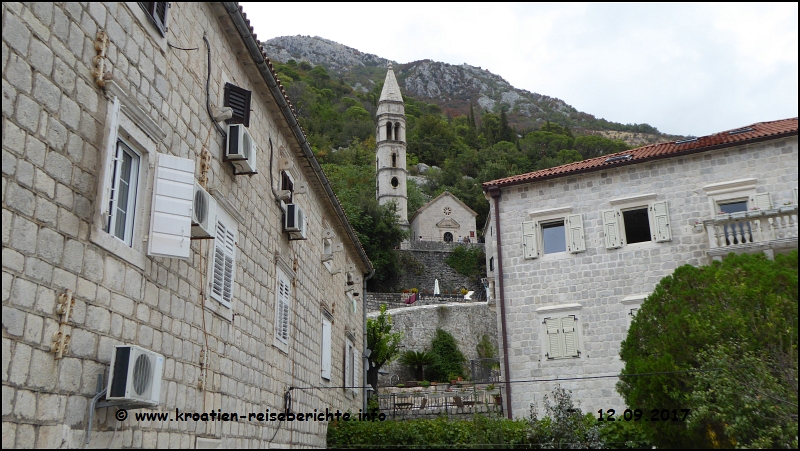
468	261
448	358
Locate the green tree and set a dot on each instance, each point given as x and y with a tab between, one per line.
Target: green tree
416	361
449	359
383	344
738	321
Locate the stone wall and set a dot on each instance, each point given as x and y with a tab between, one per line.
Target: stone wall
425	262
57	143
467	322
395	300
600	286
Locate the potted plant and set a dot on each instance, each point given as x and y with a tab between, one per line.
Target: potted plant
424	384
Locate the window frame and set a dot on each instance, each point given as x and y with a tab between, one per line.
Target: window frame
533	233
560	312
631	303
161	25
326	364
133	185
646	201
351	366
624	232
283	310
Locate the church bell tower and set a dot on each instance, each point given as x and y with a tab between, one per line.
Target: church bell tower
390	162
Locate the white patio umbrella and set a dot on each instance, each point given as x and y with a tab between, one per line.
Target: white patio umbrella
436	287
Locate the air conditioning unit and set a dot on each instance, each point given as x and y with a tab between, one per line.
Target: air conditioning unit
204	213
135	375
241	150
294	222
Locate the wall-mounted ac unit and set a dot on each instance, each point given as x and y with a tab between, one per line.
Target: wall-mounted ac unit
135	375
294	222
241	150
204	213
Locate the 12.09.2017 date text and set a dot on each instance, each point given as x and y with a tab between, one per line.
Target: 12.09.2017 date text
638	415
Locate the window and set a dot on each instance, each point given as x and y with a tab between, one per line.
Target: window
491	264
562	337
287	184
239	100
157	12
223	261
395	182
631	305
552	236
636	224
394	160
283	295
351	374
733	207
326	346
125	181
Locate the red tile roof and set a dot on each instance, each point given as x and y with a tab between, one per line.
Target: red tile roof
752	133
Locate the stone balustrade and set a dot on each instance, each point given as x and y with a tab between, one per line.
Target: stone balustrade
752	231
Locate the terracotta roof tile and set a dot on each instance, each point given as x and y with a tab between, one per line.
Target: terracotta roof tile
743	135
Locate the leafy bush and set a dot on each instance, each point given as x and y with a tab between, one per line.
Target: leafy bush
416	360
449	359
736	321
468	261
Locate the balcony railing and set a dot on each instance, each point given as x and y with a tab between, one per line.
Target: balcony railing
752	231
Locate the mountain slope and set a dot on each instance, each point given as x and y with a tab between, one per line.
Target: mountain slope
453	87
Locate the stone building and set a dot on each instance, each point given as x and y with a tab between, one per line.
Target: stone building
128	130
445	218
577	248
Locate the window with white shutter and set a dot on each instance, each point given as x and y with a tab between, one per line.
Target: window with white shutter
575	239
171	214
157	12
283	296
349	367
611	229
326	348
223	261
530	243
561	337
660	217
763	201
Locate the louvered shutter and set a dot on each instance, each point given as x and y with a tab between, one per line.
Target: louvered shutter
326	349
794	193
611	229
239	100
171	214
529	242
661	229
552	326
570	336
763	201
224	259
282	310
356	378
575	239
348	358
158	14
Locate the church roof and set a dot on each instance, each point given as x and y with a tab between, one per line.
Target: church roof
435	199
391	90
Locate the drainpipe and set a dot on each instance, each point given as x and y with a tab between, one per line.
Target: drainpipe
494	192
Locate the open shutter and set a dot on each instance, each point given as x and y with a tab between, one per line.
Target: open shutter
660	215
611	229
223	268
763	201
171	214
553	344
529	242
348	358
570	336
356	379
158	14
326	349
575	239
239	100
282	310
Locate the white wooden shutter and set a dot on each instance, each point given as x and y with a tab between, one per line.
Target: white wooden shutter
763	201
171	215
552	326
611	229
356	378
283	295
660	215
223	269
794	193
348	364
529	242
570	335
575	239
326	349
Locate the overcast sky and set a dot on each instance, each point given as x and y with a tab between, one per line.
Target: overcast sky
687	69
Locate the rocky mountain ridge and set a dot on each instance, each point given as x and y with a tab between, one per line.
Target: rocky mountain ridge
454	87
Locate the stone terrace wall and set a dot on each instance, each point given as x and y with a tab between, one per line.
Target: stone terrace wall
425	262
467	322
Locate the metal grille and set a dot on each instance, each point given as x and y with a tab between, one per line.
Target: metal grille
142	374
